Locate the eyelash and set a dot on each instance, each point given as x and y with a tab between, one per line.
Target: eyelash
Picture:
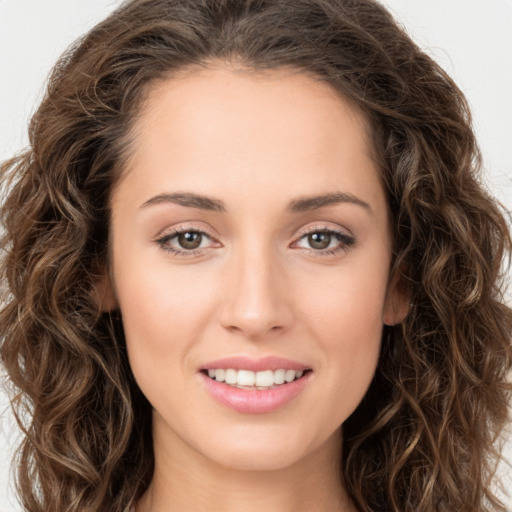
164	240
345	241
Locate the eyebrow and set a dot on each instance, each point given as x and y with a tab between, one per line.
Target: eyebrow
188	199
303	204
306	204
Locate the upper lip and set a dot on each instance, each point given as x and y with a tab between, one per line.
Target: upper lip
255	364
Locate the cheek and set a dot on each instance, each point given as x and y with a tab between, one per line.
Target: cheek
347	306
345	317
163	312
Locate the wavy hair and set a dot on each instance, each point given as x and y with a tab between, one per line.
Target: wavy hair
425	436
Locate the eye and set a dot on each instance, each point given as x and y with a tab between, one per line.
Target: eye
320	240
185	242
189	240
325	241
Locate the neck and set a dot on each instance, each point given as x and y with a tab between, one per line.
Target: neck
187	481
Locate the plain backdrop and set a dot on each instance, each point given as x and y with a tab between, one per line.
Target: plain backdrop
471	39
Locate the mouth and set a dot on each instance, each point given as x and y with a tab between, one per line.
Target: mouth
255	385
255	380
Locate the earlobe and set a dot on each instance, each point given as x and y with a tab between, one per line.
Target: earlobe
104	293
397	304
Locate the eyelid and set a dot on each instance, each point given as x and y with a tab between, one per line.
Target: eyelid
325	227
187	226
345	240
345	237
162	239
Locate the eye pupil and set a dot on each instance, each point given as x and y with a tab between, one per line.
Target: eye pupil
319	240
190	240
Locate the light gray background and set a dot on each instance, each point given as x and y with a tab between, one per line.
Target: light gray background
472	39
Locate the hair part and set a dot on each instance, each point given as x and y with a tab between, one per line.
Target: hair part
424	437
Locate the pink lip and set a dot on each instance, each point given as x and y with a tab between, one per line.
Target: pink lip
255	365
252	401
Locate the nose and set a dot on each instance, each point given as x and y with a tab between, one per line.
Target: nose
256	298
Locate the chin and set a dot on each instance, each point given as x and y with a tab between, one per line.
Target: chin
257	460
268	450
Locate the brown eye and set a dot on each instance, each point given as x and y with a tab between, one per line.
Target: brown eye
190	240
325	242
184	242
319	240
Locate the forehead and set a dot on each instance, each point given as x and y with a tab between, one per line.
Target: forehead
219	126
208	98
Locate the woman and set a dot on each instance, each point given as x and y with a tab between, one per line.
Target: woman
248	263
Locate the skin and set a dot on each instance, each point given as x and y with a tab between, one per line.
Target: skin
255	287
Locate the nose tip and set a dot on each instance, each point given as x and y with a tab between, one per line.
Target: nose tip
254	326
256	301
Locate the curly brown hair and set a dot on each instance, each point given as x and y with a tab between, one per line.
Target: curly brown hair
424	437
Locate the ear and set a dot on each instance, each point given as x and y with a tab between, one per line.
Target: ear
104	292
396	305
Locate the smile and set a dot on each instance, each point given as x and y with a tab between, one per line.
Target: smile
255	386
260	380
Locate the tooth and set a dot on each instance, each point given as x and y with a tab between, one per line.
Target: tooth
265	379
230	377
279	376
246	378
262	380
289	375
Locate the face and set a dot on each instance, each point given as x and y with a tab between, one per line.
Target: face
251	246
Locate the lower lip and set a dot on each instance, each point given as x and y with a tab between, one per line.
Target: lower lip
253	401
